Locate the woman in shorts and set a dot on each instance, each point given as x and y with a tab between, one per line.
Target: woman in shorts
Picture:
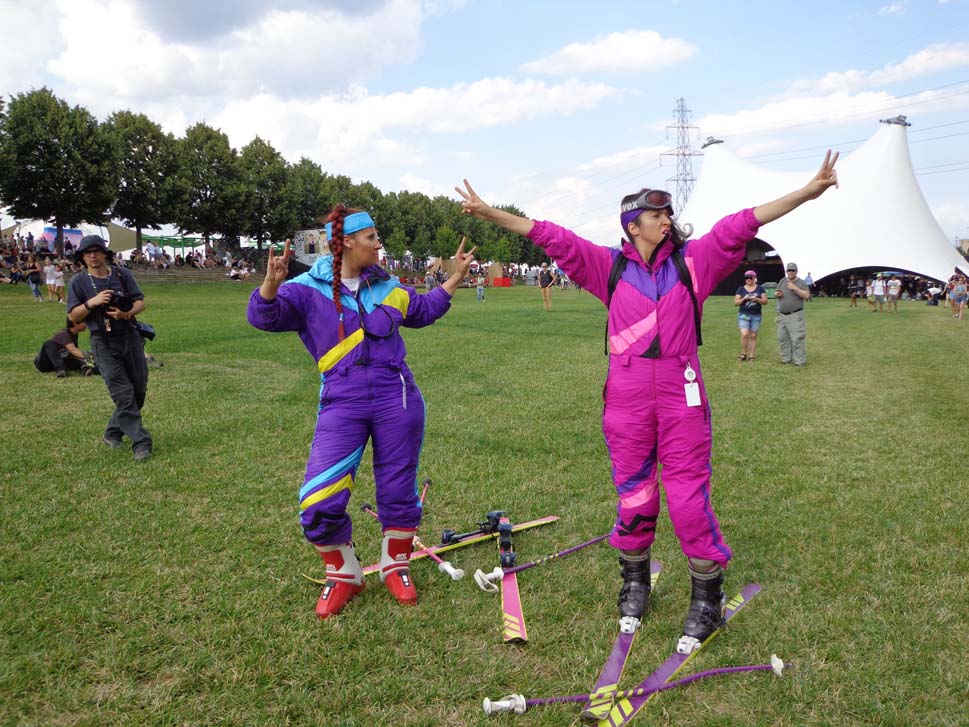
750	297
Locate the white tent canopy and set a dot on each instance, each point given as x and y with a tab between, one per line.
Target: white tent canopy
877	216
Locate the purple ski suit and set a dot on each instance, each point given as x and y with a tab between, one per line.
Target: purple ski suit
366	391
646	419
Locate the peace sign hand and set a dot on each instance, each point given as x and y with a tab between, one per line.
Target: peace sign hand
473	204
826	177
463	260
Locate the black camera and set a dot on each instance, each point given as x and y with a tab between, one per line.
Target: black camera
122	302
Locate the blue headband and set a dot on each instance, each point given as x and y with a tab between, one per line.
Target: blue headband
351	223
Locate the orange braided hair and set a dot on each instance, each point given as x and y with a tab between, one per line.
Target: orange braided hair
335	218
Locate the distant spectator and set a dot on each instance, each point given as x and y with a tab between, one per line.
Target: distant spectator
59	283
894	290
33	271
959	295
879	290
750	297
50	279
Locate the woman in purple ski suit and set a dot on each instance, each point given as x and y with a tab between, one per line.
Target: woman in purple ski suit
348	312
655	405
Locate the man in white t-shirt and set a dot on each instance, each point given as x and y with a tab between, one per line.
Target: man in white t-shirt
894	290
149	250
878	290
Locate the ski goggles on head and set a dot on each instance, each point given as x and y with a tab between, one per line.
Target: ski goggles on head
649	199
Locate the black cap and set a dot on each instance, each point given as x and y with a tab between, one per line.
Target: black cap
89	242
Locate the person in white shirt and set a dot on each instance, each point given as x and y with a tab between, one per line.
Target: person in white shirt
878	290
894	290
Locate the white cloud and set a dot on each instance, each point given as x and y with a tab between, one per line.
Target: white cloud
634	157
355	128
631	50
932	59
896	8
23	52
830	110
953	218
413	183
107	51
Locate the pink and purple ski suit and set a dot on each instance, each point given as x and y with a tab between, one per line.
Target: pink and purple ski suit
652	343
366	391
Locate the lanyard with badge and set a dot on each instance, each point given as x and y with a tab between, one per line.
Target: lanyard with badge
692	388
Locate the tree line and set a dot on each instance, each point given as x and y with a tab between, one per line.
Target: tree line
59	164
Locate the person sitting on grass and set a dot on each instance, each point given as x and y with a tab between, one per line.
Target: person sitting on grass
60	352
348	312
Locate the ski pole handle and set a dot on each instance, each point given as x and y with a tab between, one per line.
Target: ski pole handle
486	581
511	703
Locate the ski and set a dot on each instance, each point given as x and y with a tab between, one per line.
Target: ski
625	709
601	697
512	615
425	552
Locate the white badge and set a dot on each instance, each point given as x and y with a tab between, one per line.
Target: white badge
692	393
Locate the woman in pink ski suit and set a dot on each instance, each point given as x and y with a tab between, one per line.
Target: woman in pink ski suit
655	405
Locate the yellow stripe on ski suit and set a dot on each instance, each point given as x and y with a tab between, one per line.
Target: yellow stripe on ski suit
341	484
332	357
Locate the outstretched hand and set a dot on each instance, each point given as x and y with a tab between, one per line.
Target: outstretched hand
472	204
826	177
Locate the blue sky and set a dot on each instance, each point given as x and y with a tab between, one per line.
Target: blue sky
558	107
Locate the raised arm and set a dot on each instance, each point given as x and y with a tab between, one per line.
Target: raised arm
473	205
825	178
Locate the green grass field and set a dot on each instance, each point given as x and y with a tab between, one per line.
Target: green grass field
169	592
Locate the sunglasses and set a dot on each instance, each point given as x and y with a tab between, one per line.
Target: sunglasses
749	277
649	199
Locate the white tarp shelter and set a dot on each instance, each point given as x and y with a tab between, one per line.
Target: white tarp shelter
877	216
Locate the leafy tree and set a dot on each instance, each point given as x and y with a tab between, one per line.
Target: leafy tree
265	210
395	244
212	190
445	242
336	189
304	193
148	186
56	162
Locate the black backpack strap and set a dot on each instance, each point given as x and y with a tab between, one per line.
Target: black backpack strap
685	278
618	266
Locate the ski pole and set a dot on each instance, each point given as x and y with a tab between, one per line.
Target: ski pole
486	581
518	704
442	565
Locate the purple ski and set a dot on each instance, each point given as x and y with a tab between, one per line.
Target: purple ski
602	694
625	709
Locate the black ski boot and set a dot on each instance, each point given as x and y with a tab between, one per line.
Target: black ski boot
636	586
707	602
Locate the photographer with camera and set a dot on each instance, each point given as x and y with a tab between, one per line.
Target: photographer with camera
107	298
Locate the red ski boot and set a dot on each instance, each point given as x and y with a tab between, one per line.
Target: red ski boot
344	578
395	564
